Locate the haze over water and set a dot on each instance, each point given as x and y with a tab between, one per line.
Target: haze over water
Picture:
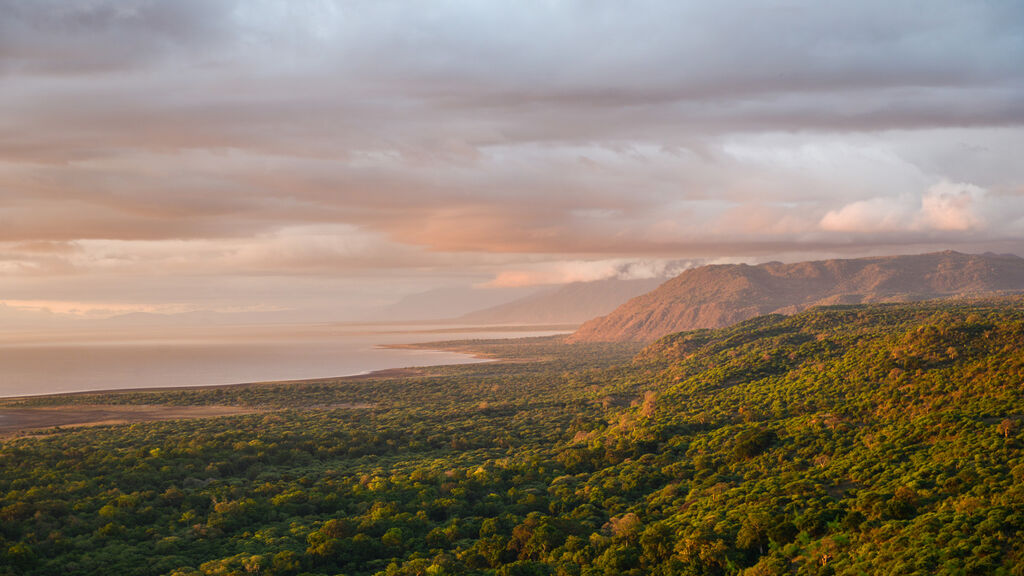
315	160
76	362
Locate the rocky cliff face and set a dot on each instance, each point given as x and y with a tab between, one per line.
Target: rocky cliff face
715	296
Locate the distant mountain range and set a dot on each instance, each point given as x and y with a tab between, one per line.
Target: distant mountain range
567	304
720	295
445	303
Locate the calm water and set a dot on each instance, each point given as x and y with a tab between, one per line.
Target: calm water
50	363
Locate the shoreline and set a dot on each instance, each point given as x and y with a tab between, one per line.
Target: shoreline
395	372
478	357
383	373
402	357
18	420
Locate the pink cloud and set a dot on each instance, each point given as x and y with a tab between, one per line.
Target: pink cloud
946	207
587	271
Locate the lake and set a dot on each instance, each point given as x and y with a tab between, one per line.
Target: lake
49	363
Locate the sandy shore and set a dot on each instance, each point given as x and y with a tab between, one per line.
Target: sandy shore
386	373
18	420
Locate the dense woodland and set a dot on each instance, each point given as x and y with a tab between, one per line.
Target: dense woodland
882	439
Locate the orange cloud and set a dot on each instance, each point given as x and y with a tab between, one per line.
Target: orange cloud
85	309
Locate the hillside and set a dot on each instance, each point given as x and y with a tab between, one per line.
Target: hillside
572	303
716	296
867	439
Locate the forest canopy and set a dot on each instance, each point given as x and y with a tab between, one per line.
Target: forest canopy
841	440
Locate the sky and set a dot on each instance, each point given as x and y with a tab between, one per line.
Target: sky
316	159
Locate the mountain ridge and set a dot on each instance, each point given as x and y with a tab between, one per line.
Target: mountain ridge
720	295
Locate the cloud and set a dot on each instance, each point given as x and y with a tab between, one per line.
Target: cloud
87	37
310	250
563	272
328	141
79	309
954	207
337	79
945	207
873	215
